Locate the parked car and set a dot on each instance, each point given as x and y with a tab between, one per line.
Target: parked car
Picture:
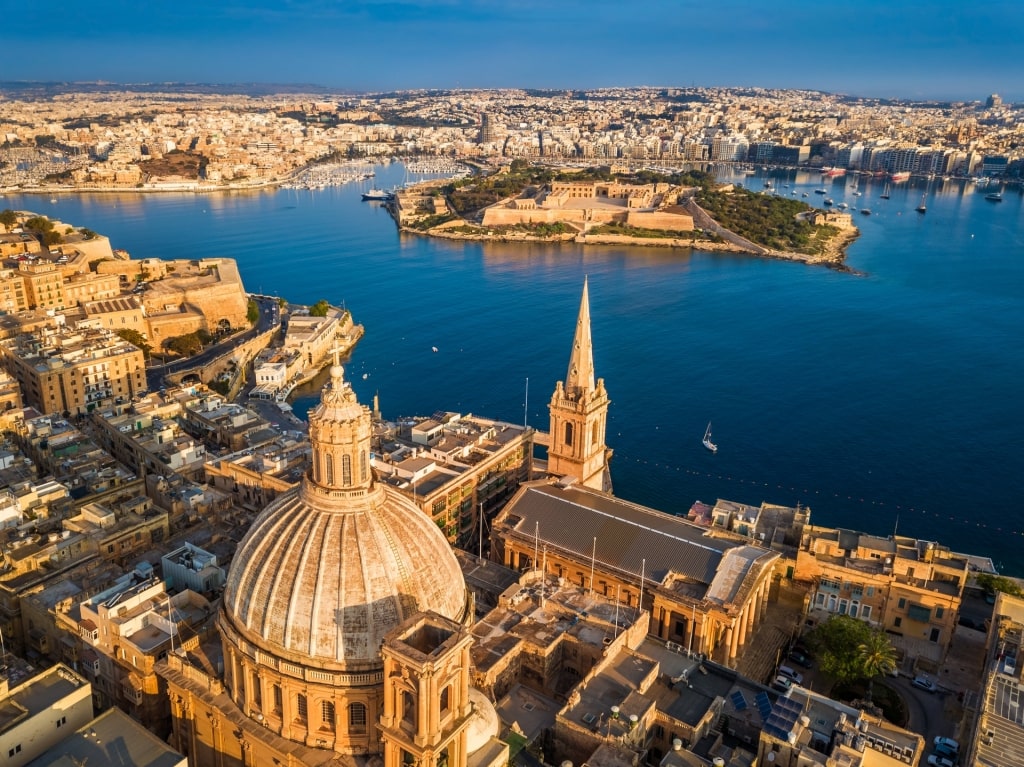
789	673
947	743
946	753
924	683
799	658
782	683
940	761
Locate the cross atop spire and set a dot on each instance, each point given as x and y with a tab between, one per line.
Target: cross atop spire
581	362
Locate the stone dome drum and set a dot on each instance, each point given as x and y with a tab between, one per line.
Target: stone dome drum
329	568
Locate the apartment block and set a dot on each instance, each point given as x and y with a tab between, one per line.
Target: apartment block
74	371
905	586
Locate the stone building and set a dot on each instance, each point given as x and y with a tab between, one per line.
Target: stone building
70	371
343	628
579	414
910	588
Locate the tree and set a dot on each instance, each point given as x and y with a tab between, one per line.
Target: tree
319	309
135	338
8	218
993	583
877	657
252	312
185	345
838	642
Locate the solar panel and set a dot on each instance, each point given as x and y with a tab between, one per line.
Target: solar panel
764	705
782	718
738	701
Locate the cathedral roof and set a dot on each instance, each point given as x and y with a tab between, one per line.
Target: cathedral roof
330	567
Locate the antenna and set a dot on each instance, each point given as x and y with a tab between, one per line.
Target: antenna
526	401
640	600
480	549
593	556
536	544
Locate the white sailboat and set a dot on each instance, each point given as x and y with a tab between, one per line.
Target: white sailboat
707	440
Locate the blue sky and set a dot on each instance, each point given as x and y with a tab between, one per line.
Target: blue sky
896	48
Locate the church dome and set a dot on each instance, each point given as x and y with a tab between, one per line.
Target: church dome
329	568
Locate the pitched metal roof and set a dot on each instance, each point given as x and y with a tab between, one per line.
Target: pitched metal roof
629	537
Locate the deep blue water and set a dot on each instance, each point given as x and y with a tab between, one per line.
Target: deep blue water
889	396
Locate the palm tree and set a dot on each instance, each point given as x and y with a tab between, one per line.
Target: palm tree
876	657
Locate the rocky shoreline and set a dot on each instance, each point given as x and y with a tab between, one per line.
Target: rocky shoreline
834	255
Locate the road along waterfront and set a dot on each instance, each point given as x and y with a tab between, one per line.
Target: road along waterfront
884	401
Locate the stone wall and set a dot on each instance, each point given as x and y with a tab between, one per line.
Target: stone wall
660	220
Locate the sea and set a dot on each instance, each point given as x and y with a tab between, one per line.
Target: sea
887	399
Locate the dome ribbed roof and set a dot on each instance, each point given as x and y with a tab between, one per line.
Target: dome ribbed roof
329	568
330	584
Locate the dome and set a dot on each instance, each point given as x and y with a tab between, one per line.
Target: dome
484	723
330	567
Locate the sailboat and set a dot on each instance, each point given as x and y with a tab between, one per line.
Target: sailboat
885	192
707	440
922	208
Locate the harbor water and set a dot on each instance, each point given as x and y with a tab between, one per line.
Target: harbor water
888	400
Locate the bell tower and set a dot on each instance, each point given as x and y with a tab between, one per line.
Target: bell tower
426	693
579	414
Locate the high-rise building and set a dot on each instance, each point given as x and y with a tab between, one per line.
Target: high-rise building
579	414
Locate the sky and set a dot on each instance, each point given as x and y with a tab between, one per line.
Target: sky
963	50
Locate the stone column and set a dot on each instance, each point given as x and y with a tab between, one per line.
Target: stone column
765	588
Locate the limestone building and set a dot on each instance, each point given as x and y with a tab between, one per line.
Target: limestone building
74	371
343	628
579	414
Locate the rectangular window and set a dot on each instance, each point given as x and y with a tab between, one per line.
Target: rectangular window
902	603
871	591
919	613
865	612
939	612
897	622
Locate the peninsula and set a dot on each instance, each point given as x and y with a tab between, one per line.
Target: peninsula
617	205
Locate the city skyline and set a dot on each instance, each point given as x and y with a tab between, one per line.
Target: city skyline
937	50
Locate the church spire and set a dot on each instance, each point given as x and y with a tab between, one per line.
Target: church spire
579	414
580	377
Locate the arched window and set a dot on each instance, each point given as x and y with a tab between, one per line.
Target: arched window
327	715
568	434
301	713
357	718
316	466
329	460
594	441
363	465
346	470
446	695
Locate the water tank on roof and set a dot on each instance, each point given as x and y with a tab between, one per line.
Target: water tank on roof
677	744
718	761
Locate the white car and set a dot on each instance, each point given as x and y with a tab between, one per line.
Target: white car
792	674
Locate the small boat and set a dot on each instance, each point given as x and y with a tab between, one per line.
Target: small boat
707	440
829	201
821	191
378	194
803	194
922	208
865	211
994	197
885	192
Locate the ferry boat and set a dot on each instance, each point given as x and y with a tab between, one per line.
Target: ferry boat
899	176
378	194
